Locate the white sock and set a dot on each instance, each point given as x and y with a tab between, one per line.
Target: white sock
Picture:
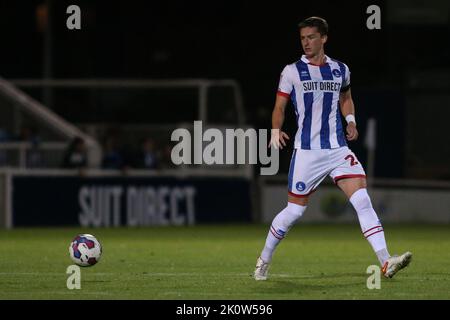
279	228
370	224
382	256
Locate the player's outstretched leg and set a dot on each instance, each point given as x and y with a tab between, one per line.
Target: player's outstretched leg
278	230
373	231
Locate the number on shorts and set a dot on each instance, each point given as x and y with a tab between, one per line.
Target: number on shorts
352	160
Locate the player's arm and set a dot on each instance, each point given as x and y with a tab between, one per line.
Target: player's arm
278	137
348	111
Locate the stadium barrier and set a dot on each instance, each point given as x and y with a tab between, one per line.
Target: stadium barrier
16	105
204	107
393	200
108	198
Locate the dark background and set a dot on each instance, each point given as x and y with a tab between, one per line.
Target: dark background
251	42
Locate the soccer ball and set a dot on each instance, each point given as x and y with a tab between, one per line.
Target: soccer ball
85	250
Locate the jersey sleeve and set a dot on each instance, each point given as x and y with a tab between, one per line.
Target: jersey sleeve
285	86
346	81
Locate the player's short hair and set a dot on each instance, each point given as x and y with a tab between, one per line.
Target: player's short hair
318	22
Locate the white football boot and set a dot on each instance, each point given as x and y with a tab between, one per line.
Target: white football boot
395	263
261	270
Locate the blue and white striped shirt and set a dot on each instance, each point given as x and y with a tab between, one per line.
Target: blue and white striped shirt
314	91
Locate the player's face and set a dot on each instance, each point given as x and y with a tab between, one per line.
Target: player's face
312	41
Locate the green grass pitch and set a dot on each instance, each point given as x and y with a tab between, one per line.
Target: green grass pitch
215	262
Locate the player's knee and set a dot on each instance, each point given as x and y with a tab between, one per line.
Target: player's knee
362	183
289	216
295	211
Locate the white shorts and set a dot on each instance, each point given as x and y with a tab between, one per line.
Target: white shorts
309	167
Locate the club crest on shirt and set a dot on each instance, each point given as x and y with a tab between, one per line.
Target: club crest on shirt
336	73
300	186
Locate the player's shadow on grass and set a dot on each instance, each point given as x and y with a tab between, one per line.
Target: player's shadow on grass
283	286
97	281
308	286
309	283
334	275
